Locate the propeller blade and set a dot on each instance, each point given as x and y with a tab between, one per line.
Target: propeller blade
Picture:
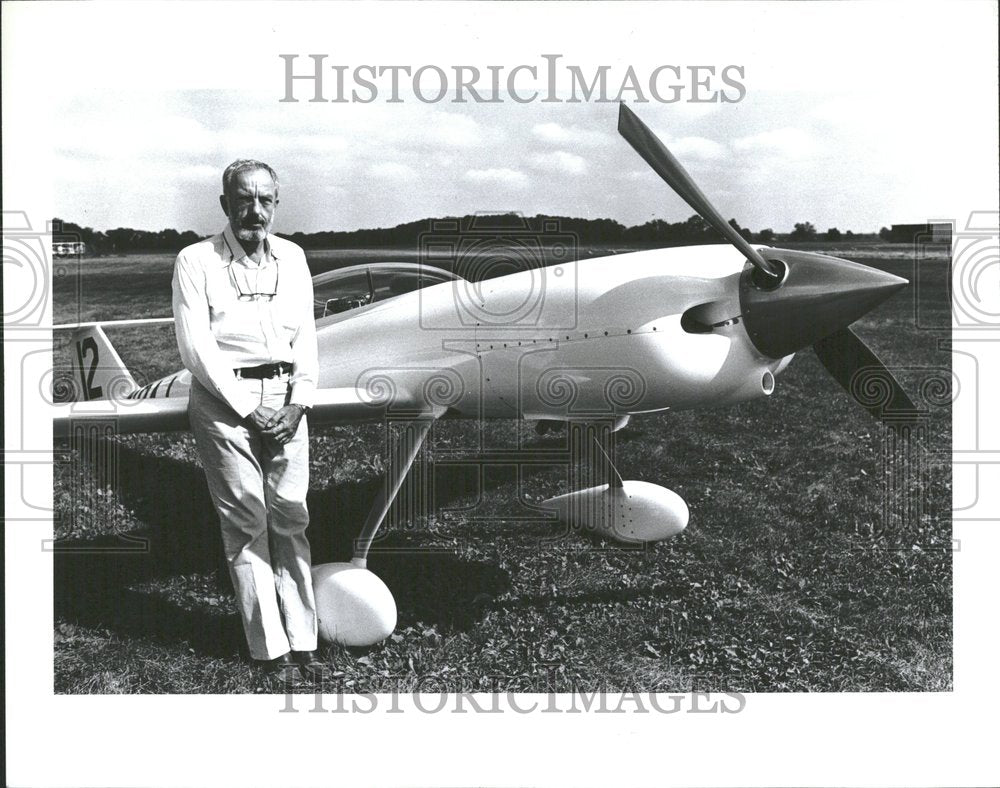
657	156
863	375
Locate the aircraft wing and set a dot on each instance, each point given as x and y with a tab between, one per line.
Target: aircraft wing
106	400
169	414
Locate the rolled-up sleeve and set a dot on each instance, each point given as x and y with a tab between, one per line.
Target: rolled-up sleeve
305	363
195	341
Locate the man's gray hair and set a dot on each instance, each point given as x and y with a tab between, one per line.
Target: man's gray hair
245	165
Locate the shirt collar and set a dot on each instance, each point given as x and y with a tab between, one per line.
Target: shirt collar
234	251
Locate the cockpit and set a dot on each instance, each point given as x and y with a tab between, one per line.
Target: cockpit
356	286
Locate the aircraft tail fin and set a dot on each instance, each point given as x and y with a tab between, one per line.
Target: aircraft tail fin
98	371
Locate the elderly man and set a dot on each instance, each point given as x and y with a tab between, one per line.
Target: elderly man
244	320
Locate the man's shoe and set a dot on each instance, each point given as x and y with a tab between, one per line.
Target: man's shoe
313	666
283	668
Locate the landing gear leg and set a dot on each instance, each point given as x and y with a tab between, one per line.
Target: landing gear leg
403	449
627	511
592	446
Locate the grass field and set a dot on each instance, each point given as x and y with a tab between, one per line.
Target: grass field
818	556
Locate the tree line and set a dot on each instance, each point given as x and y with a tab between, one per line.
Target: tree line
125	240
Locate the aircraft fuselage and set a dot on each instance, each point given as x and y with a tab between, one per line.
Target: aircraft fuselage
583	339
597	338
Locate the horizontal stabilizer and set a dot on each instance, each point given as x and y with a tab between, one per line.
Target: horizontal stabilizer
145	321
122	417
346	405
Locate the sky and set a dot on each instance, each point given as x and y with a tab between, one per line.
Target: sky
856	115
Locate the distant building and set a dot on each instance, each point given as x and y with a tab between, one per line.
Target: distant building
931	232
68	248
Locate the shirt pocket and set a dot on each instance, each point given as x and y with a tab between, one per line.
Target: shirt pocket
287	321
220	294
232	320
289	329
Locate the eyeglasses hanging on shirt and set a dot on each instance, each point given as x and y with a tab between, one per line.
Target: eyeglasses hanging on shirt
264	287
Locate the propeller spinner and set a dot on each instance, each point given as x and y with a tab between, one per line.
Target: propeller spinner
791	299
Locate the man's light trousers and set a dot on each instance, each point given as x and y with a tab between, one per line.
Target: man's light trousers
259	490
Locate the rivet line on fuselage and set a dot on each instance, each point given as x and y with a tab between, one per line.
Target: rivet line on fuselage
483	348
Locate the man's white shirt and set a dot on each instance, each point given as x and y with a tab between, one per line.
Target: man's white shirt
219	330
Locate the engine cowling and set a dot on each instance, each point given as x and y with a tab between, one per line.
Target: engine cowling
633	513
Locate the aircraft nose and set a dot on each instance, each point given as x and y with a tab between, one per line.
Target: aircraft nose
818	296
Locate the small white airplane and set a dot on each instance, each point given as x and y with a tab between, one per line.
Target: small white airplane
592	340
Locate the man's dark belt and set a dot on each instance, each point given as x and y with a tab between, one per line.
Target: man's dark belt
263	371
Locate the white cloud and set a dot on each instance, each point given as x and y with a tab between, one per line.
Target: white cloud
787	141
694	110
503	176
251	143
120	134
846	109
198	173
456	130
551	132
433	128
321	143
392	171
697	148
563	135
561	162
